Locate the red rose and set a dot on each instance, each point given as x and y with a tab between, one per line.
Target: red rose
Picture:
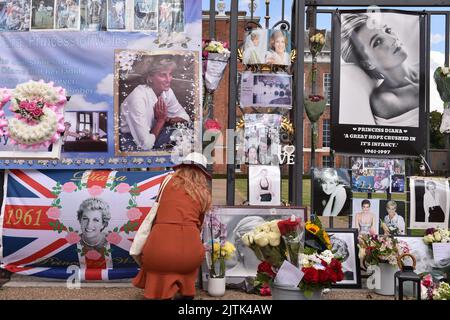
287	226
335	265
323	276
311	275
265	267
212	125
332	276
265	291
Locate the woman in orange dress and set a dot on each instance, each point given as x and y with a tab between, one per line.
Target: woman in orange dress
173	252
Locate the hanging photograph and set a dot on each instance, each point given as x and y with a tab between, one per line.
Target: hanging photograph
15	15
255	47
279	47
430	202
239	221
264	185
366	218
398	183
262	138
379	101
67	14
156	100
392	217
145	15
266	90
332	195
93	15
117	15
171	16
344	242
42	14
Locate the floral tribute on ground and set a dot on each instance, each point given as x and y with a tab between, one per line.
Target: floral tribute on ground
38	114
376	249
278	242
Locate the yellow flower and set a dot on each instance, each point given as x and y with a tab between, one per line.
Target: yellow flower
326	238
311	227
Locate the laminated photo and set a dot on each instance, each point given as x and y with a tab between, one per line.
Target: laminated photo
264	185
42	14
15	15
67	14
93	15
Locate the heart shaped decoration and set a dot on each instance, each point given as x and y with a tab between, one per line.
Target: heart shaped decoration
289	149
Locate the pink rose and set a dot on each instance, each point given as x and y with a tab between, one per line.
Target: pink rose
95	191
93	255
73	237
212	125
114	238
37	112
53	213
134	214
123	188
69	187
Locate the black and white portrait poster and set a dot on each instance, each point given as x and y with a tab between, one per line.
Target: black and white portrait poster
239	221
366	215
430	202
344	242
379	83
264	185
332	192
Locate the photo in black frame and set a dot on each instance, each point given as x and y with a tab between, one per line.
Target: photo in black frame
359	85
345	244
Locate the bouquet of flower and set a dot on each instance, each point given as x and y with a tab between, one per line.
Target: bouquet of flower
215	59
431	290
217	247
437	235
375	249
275	242
316	43
442	79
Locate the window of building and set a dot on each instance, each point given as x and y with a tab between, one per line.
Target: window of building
326	162
85	121
326	136
327	87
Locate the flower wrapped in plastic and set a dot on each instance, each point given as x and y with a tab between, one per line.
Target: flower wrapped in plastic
291	233
442	79
375	249
215	60
316	237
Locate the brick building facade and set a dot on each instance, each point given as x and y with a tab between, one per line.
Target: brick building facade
220	112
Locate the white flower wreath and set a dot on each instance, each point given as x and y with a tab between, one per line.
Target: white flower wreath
38	117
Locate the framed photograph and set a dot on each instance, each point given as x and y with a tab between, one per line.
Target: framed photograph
42	14
116	18
366	216
67	14
345	245
85	132
255	47
332	195
392	217
93	15
430	202
15	15
264	185
141	85
398	183
145	15
266	90
369	46
262	138
171	16
240	220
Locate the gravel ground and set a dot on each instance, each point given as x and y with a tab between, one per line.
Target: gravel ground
47	293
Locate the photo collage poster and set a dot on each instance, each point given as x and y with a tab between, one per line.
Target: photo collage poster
377	216
164	16
332	193
430	202
112	65
373	112
378	175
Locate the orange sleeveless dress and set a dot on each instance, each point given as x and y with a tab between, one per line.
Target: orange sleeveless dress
173	252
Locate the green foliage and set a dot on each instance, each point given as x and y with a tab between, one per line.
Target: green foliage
437	139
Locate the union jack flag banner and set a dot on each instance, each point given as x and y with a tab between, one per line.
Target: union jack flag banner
52	221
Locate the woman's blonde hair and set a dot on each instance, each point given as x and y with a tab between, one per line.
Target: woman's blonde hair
194	182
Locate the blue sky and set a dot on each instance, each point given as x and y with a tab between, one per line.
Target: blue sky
324	22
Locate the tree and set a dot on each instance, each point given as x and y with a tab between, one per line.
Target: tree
437	139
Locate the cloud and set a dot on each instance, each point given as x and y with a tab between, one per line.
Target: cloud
436	59
437	38
78	103
106	85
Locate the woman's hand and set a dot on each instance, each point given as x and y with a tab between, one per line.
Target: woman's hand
160	110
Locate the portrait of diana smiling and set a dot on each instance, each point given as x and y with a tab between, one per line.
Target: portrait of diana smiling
386	51
93	215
